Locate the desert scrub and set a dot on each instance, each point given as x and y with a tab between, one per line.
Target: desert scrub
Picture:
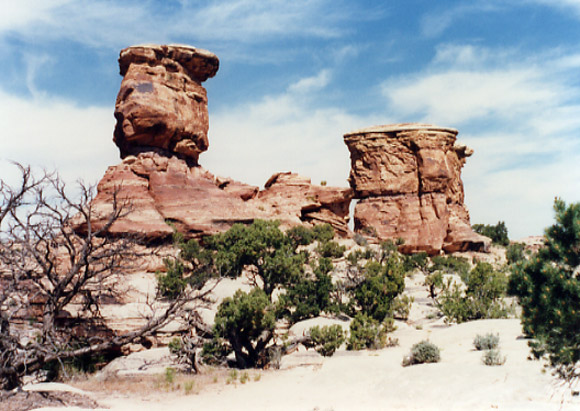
331	249
326	340
486	342
232	377
434	283
421	353
366	332
493	357
402	307
483	297
188	387
169	375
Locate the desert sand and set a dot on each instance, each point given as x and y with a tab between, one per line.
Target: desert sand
376	380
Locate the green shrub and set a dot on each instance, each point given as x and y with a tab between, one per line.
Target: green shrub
215	351
498	233
450	265
355	256
493	357
247	323
175	345
193	267
171	283
261	245
306	298
402	307
381	284
515	253
421	353
169	375
331	249
486	342
433	282
366	332
326	340
301	235
548	289
323	232
483	297
416	261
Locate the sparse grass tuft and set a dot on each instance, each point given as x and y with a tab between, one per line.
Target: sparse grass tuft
493	357
486	342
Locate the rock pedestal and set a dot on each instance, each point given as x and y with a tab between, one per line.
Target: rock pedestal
162	126
161	102
408	180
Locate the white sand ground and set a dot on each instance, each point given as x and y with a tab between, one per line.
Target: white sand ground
375	380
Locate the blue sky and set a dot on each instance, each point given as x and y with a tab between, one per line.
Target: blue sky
295	76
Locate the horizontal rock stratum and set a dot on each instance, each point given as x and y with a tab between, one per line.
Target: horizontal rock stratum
165	189
408	180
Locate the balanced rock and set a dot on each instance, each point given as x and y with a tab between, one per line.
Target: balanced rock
408	180
161	102
162	125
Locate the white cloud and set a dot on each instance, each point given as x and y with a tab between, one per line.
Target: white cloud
435	23
310	84
285	132
18	14
118	24
458	96
56	135
565	5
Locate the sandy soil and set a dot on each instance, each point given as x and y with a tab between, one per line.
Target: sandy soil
376	380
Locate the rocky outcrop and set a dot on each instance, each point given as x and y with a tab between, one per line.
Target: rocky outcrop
161	102
408	180
162	126
293	200
164	190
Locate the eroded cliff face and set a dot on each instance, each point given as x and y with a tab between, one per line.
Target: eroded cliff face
162	127
408	180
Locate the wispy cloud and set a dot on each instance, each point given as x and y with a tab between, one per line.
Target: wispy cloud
565	5
468	83
435	23
56	135
103	23
309	84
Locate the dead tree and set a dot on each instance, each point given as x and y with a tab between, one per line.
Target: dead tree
47	267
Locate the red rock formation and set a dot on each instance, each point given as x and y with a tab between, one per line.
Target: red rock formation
162	125
408	177
161	102
293	200
165	189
